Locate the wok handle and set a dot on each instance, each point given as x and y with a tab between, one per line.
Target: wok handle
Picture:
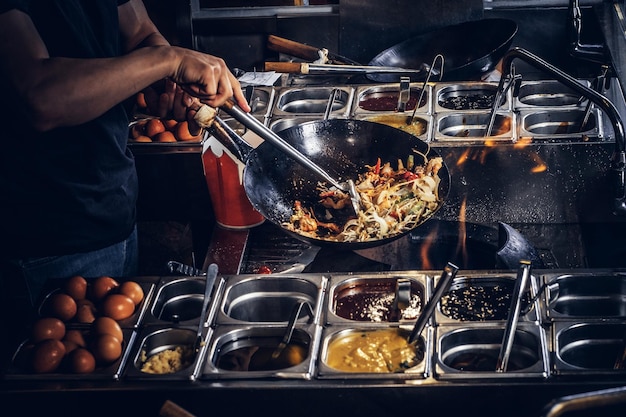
266	134
300	50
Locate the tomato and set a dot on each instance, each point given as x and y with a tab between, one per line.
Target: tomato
264	269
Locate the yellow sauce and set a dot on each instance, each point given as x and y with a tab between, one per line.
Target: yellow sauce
374	351
416	128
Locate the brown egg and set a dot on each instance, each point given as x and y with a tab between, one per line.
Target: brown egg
76	287
101	286
170	124
154	127
47	356
143	139
81	361
70	346
85	314
106	325
117	306
132	290
61	306
75	336
106	348
138	129
183	134
166	136
47	328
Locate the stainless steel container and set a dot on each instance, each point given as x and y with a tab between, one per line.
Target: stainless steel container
588	296
588	348
472	351
484	299
373	352
293	101
368	299
171	349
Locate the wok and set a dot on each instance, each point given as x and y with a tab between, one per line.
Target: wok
273	181
470	49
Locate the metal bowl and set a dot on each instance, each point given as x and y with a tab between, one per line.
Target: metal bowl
597	296
246	353
587	348
312	100
472	126
472	352
266	299
472	96
166	345
177	300
384	99
373	353
485	298
371	298
547	93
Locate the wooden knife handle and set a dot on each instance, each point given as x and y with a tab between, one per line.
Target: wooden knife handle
285	67
300	50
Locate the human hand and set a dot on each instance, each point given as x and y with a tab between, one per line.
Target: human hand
208	78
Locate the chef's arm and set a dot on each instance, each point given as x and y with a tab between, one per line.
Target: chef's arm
58	91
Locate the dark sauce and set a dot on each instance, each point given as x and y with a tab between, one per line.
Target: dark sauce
479	303
373	303
469	102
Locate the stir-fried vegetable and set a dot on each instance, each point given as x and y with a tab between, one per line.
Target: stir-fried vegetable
393	201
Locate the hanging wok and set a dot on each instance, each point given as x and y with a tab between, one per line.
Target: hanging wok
273	181
470	49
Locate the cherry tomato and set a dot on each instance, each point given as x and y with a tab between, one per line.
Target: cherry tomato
264	269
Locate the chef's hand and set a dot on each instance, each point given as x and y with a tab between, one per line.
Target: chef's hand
167	100
208	78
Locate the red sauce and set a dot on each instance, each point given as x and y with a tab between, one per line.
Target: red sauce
387	102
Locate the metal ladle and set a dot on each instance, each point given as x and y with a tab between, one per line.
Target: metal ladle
447	275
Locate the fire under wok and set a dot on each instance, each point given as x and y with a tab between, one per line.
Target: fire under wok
344	148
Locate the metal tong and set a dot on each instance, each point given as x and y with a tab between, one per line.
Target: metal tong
211	275
523	276
447	275
267	134
431	70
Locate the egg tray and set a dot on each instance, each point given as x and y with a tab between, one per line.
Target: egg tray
148	285
112	371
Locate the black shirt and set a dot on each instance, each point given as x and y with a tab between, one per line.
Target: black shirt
72	189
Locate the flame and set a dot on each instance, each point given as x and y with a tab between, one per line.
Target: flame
461	247
426	245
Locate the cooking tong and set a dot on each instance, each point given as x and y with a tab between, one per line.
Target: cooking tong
270	136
